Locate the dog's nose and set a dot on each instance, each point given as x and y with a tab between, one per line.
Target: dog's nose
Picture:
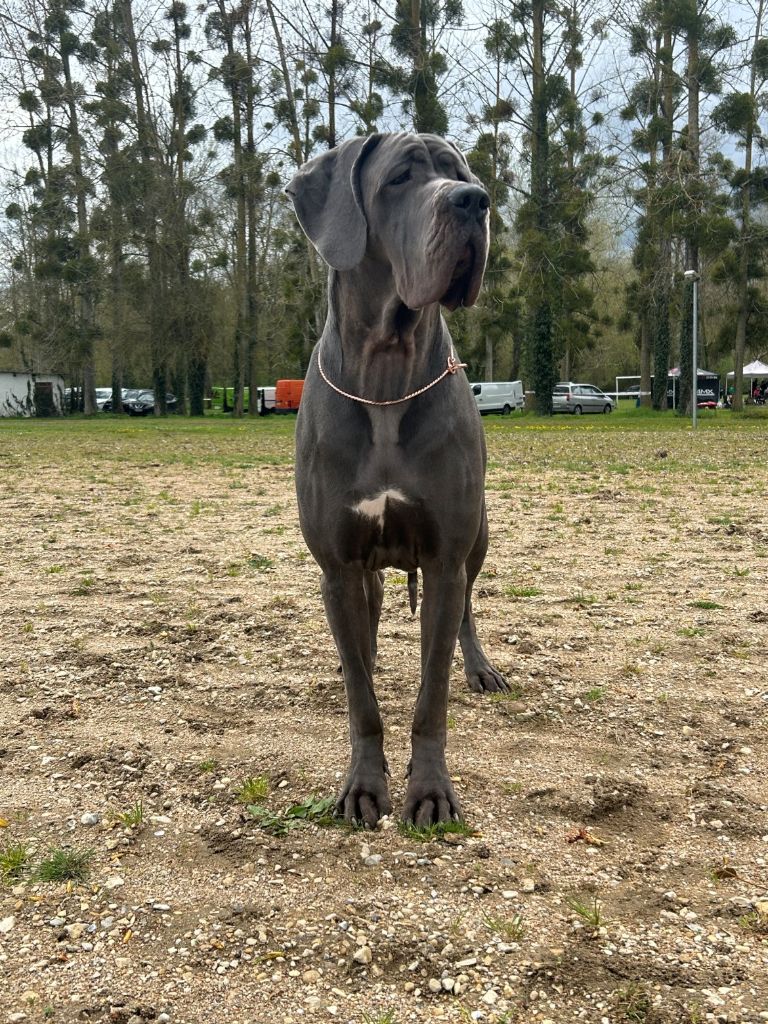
469	201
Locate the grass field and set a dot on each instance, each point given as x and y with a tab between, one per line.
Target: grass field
173	726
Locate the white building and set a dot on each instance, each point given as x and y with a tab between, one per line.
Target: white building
31	394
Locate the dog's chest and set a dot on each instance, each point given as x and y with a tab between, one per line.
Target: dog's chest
387	522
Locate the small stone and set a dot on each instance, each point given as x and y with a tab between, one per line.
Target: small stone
6	923
90	818
510	894
310	977
469	962
529	885
363	955
313	1002
434	985
448	984
75	931
490	998
162	907
14	1018
373	860
114	882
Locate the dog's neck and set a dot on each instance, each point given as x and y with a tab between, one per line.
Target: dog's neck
385	350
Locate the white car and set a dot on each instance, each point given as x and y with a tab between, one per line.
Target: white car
102	395
580	398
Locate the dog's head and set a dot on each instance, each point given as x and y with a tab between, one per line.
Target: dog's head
409	202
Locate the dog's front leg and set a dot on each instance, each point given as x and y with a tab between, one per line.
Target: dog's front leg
365	795
430	796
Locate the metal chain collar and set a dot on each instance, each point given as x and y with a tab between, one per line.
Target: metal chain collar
452	367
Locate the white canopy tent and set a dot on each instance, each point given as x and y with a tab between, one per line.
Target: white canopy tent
752	370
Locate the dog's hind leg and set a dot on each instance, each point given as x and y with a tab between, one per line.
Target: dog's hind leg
481	675
364	797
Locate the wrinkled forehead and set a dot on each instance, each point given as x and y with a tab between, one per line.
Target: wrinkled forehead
397	153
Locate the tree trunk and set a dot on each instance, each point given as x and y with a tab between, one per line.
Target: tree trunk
540	311
85	289
252	186
155	261
742	288
241	257
662	278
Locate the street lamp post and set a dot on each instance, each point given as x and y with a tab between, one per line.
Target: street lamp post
693	277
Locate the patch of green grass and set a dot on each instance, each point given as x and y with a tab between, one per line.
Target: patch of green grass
388	1017
133	817
253	789
580	598
595	695
260	563
85	587
65	865
691	631
53	569
512	788
234	569
427	833
14	859
634	1003
741	572
208	766
514	693
630	670
591	912
708	605
517	593
510	929
314	810
755	923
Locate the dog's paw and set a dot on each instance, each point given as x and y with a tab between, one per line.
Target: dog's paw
485	679
430	801
364	799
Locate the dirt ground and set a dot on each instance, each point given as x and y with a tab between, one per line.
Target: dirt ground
163	642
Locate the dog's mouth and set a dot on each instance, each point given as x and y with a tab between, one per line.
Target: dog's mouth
466	279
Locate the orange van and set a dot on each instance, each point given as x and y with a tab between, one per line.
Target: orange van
288	395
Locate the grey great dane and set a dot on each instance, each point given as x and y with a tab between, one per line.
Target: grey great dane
390	453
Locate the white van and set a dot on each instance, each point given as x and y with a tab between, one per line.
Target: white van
503	397
266	398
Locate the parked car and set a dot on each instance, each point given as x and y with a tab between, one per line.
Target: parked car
140	402
102	395
73	398
503	397
580	398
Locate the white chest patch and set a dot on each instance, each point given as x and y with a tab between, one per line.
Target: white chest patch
376	508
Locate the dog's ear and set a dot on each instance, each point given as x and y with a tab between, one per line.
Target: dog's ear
326	198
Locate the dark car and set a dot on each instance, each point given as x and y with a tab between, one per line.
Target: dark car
141	402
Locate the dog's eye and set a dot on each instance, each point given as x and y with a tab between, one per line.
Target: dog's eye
401	178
